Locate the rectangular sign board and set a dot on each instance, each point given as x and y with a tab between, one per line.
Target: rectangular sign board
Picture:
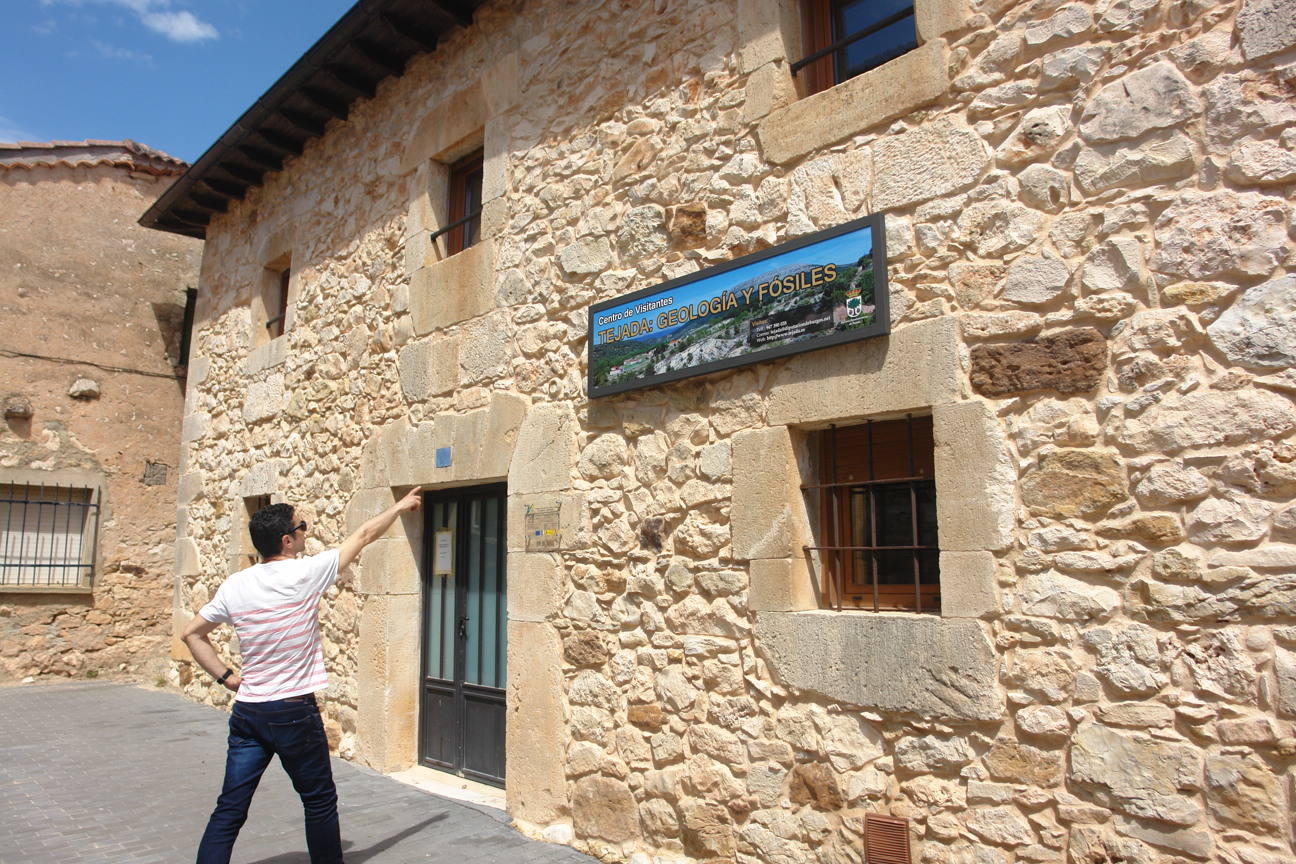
543	533
819	290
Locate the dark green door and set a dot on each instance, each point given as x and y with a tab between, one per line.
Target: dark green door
465	618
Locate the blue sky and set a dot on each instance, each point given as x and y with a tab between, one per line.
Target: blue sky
172	74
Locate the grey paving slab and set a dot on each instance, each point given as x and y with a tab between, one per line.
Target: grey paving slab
112	774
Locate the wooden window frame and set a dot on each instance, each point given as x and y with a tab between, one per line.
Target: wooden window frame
466	222
839	490
819	29
276	324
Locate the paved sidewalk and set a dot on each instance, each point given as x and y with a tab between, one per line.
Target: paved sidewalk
114	774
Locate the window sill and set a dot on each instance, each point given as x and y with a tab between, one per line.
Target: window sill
453	290
898	662
267	355
47	589
895	88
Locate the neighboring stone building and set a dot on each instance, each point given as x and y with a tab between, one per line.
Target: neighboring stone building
1088	226
92	386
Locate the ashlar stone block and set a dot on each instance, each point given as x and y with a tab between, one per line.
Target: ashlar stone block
546	453
194	426
934	18
271	354
968	588
500	85
939	669
895	88
445	129
188	561
368	503
453	290
389	567
782	585
766	31
536	727
765	522
975	479
385	459
536	586
503	426
189	487
915	367
387	678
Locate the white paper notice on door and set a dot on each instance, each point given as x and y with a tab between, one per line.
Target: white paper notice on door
444	561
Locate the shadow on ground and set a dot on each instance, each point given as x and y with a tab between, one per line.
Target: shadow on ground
357	856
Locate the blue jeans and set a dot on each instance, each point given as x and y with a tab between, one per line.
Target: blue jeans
291	728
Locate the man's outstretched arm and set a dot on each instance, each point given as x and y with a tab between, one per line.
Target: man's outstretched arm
376	527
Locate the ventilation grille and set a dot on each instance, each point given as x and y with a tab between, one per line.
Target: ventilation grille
886	839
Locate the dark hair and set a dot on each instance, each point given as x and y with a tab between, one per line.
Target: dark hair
268	527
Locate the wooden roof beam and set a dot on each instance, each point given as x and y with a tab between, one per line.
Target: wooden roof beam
262	157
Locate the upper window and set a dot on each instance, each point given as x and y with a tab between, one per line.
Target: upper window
270	303
464	227
47	536
875	508
279	306
844	38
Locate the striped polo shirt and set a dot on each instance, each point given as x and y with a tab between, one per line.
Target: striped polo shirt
274	609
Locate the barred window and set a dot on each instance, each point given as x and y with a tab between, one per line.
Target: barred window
875	511
465	202
47	536
844	38
277	302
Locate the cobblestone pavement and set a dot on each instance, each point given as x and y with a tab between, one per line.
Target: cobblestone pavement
109	773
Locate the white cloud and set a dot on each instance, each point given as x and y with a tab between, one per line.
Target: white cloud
181	26
112	52
11	131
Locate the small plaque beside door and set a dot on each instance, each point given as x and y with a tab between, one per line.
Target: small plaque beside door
541	527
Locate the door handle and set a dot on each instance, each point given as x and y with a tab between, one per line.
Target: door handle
463	627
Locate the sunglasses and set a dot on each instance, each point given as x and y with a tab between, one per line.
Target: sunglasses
301	527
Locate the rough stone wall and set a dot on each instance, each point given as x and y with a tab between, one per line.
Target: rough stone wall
1101	202
101	300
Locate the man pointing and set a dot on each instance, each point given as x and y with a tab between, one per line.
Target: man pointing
274	609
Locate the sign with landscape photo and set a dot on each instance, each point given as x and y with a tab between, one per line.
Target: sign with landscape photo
820	290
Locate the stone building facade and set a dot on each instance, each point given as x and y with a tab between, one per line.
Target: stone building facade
1089	230
92	378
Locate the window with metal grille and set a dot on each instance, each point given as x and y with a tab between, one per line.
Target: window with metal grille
47	536
875	508
277	302
465	205
844	38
